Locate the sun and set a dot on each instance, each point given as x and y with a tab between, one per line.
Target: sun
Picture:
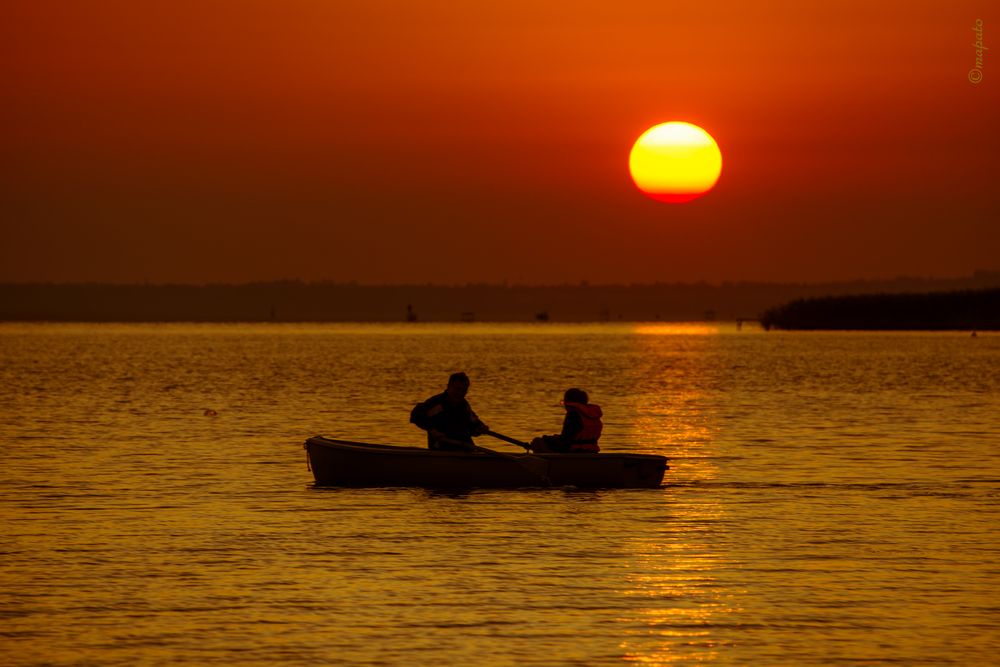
675	162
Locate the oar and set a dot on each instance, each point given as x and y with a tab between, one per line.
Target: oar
507	438
536	465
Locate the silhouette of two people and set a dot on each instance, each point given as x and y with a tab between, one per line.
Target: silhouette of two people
451	423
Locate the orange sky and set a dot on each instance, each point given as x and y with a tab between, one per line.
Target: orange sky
451	142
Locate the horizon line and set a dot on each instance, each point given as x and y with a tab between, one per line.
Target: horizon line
977	274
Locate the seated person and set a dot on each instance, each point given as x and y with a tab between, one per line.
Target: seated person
581	428
448	418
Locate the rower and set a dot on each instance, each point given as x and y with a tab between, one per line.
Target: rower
448	418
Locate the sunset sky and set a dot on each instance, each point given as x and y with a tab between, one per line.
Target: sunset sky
414	141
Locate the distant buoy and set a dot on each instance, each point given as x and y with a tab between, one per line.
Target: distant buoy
211	413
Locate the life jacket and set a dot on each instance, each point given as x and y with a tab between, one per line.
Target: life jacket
586	439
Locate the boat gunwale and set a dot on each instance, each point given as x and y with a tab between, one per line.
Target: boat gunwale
407	450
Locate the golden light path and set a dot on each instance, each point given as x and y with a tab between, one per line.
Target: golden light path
675	162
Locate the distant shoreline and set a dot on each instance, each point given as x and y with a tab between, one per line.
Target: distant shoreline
292	301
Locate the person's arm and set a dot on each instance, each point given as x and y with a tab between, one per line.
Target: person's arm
478	426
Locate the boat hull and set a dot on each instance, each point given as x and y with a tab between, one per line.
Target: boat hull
345	463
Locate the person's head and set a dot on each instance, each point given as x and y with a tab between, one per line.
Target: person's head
575	395
458	386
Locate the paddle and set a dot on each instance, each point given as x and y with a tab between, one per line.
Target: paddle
536	465
507	438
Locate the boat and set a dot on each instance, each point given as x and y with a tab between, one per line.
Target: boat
359	464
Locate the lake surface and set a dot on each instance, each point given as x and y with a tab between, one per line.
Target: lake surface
832	498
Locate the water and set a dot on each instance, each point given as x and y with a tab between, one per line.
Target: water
831	498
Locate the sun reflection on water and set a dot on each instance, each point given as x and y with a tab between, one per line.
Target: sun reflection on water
684	607
682	604
676	329
668	405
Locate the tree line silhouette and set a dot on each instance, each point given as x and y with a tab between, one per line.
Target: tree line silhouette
957	310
